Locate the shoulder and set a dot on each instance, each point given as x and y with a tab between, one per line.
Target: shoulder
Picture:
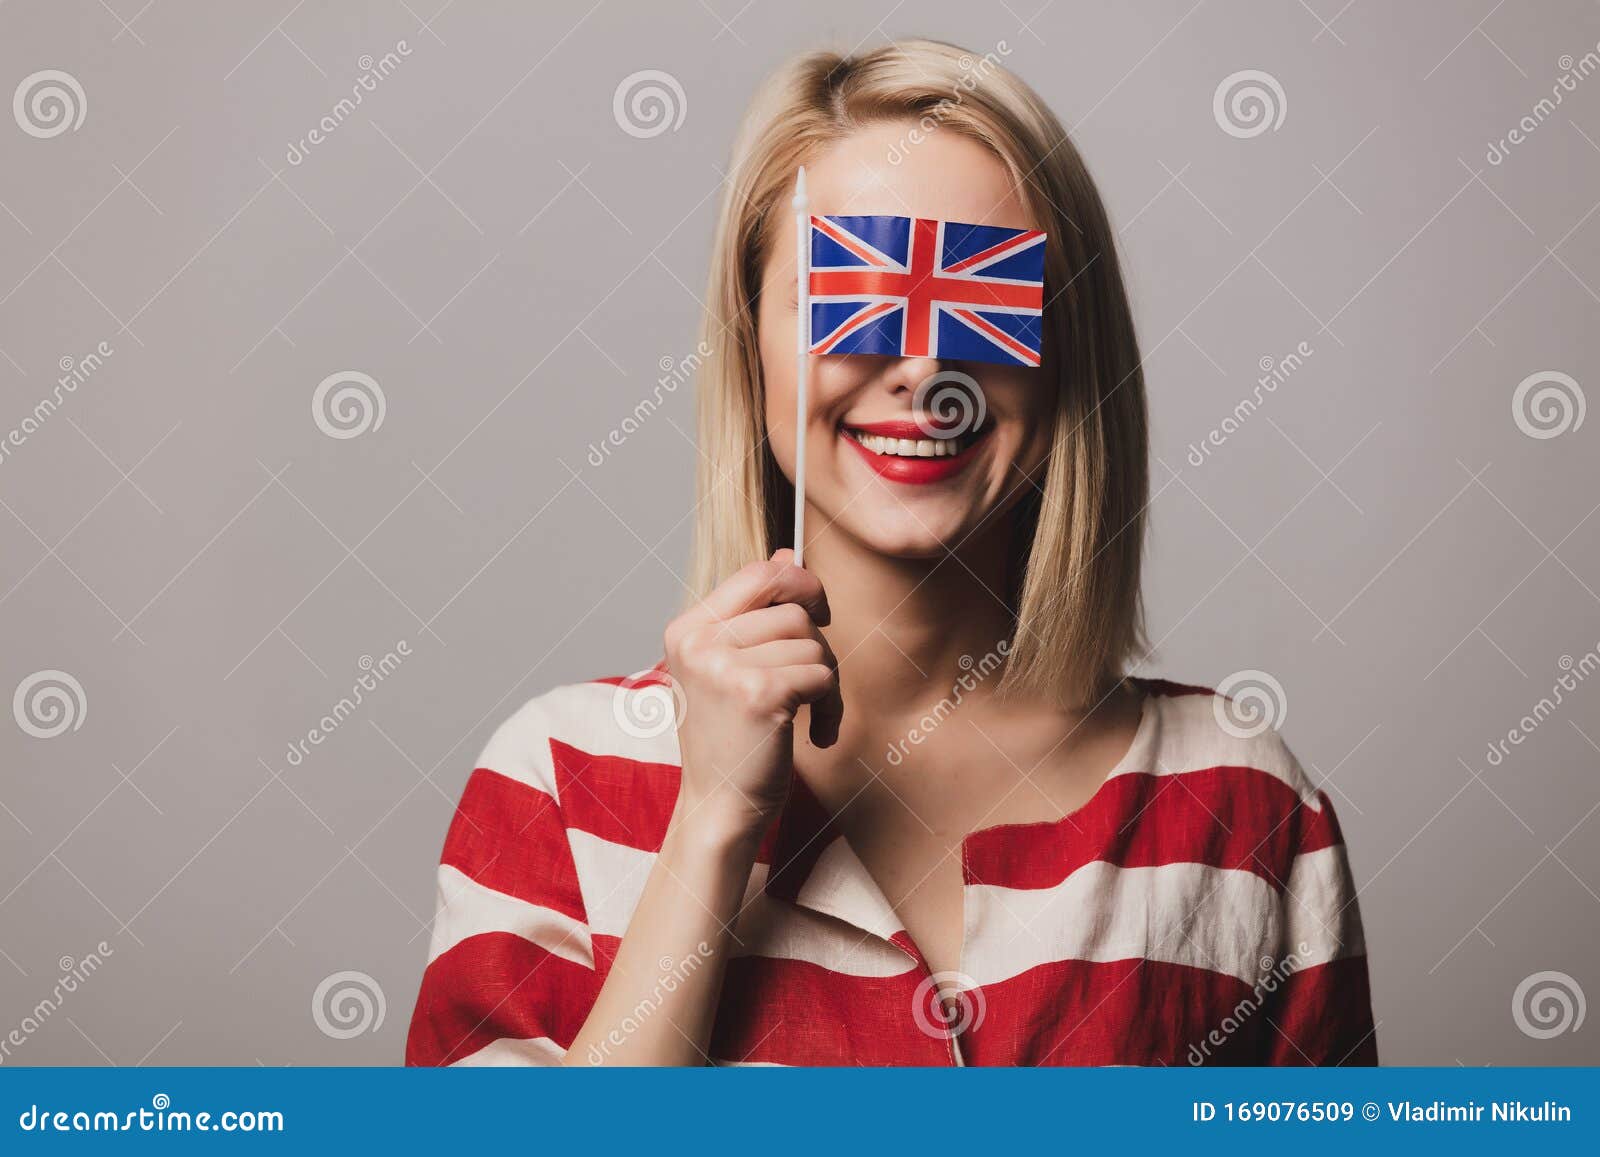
621	721
1232	726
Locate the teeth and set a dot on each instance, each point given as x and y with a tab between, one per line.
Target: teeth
911	447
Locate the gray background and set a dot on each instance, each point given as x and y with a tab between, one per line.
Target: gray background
483	239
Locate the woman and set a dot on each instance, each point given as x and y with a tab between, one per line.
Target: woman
905	807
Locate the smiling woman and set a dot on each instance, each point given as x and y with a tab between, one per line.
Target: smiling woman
714	861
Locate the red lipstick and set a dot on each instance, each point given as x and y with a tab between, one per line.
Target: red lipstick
916	471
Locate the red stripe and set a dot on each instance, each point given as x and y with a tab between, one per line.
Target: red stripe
1225	817
1324	1017
1123	1012
995	334
626	801
1018	244
846	241
492	986
792	1012
827	344
508	836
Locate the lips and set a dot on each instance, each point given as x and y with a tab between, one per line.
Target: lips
904	451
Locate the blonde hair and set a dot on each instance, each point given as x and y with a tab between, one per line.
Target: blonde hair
1074	586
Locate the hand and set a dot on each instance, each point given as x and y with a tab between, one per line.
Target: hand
746	657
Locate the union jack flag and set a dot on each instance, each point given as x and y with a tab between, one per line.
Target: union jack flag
912	287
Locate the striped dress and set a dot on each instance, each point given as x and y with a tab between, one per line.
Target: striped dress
1198	909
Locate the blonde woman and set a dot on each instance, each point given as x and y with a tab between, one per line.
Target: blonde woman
901	806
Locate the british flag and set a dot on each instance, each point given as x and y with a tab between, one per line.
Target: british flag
913	287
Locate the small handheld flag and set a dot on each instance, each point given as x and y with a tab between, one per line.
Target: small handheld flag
914	287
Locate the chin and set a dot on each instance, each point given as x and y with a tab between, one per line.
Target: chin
895	534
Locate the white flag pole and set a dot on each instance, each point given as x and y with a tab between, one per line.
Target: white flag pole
802	360
802	351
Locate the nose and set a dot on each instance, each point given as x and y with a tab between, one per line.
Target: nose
903	375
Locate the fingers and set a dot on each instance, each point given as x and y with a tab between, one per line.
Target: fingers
751	629
787	653
763	584
827	715
802	657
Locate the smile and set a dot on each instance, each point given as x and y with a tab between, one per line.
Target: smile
902	451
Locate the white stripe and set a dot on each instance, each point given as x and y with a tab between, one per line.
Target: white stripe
1187	736
773	929
840	885
1323	924
611	877
1218	919
506	1053
467	909
581	715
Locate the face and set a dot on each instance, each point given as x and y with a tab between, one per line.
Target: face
872	470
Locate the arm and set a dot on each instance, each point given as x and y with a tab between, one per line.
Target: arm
1322	1014
747	658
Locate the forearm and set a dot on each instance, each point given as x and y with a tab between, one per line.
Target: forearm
659	1001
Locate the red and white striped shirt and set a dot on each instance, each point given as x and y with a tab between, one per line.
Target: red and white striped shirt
1198	909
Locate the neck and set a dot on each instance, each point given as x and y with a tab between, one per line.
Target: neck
906	629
